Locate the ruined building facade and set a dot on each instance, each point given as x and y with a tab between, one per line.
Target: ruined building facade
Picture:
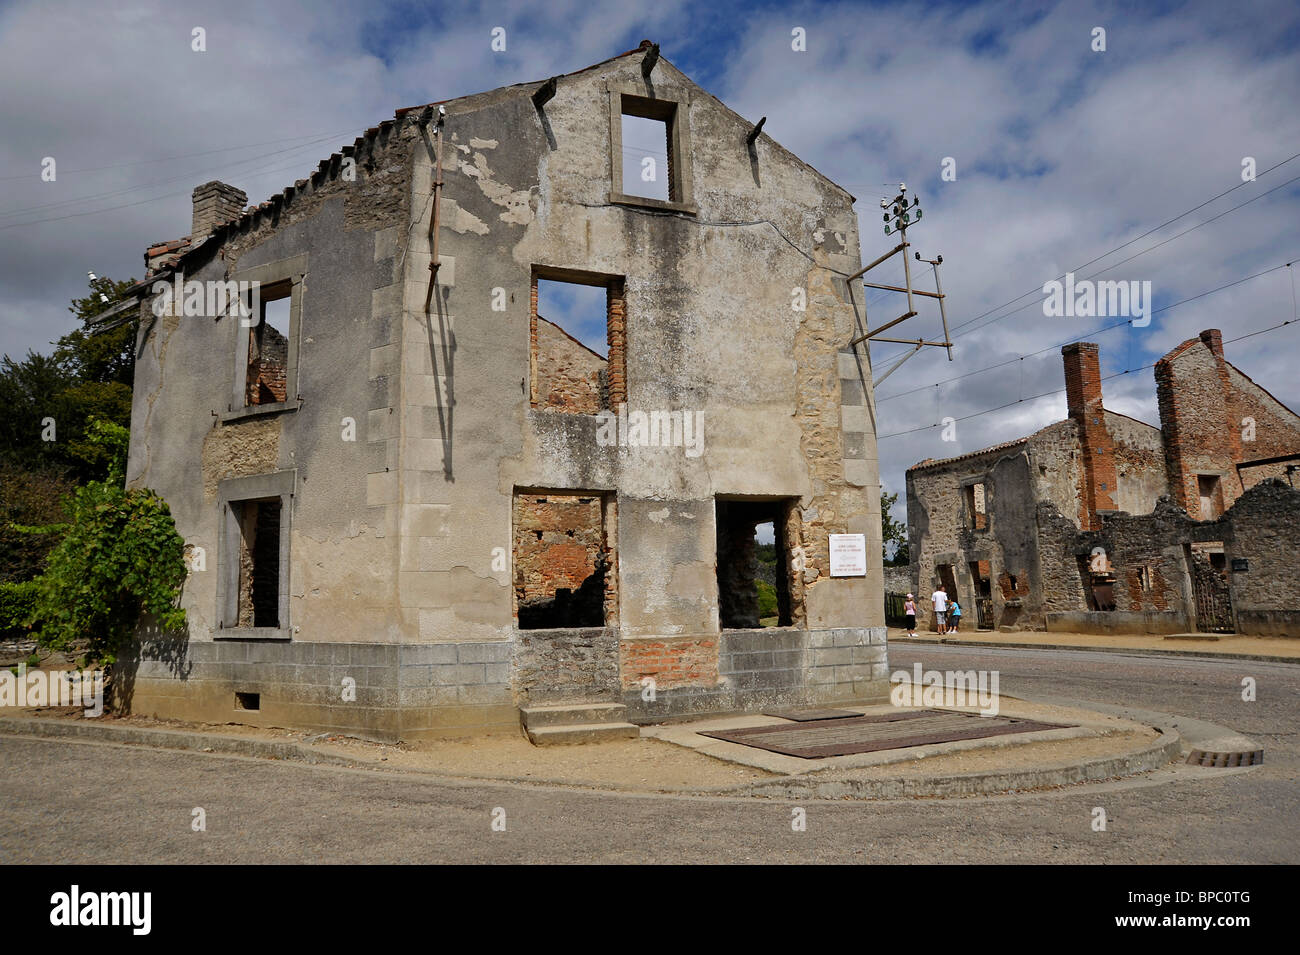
413	504
1104	523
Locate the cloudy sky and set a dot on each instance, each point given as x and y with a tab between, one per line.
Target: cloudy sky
1062	153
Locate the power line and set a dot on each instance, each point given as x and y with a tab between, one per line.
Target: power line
1098	331
1136	254
1048	394
207	152
1038	289
128	205
184	176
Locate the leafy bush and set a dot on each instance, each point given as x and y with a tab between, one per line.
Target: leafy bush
17	605
766	599
120	559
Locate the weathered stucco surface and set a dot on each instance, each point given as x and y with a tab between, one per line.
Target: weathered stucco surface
404	537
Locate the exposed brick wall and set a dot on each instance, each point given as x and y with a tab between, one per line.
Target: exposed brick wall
1192	389
688	661
560	546
1099	483
267	367
1272	430
215	203
568	376
616	325
1262	526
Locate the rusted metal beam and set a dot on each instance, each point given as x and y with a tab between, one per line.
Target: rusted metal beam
875	331
913	341
544	93
435	221
866	269
895	288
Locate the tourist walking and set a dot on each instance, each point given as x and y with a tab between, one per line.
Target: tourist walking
939	601
909	608
954	615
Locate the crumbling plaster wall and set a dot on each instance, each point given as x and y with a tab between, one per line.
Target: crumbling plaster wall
343	548
710	330
1139	463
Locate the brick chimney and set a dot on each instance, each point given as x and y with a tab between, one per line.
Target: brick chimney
1097	482
1213	341
215	204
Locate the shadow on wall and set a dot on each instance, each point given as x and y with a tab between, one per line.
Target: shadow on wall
442	340
170	649
566	608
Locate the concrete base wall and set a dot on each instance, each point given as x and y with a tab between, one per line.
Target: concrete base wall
1268	623
769	667
1119	621
397	692
391	692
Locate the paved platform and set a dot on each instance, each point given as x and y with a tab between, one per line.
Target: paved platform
1060	724
900	730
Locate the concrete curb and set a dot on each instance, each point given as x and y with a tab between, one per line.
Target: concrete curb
1126	651
1159	754
170	739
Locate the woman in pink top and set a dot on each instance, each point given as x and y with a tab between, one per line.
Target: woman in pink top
909	608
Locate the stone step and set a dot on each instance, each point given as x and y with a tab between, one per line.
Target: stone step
568	714
572	733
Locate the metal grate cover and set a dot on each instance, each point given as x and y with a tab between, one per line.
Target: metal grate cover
1201	758
809	714
870	734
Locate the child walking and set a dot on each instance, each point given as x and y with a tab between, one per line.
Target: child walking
954	616
909	608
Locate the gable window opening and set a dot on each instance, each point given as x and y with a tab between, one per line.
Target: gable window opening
266	381
647	156
577	344
650	158
1145	578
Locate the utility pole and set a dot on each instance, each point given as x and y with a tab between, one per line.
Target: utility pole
899	213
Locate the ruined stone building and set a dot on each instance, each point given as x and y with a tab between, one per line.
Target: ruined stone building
1104	523
414	505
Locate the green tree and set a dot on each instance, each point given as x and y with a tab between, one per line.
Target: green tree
30	502
892	531
49	401
50	398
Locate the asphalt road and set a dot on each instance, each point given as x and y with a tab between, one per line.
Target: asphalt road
70	802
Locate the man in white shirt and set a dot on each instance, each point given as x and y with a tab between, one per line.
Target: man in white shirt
939	600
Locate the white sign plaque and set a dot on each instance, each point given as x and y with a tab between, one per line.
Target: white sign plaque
848	555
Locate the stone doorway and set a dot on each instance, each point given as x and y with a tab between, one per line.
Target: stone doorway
1213	596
